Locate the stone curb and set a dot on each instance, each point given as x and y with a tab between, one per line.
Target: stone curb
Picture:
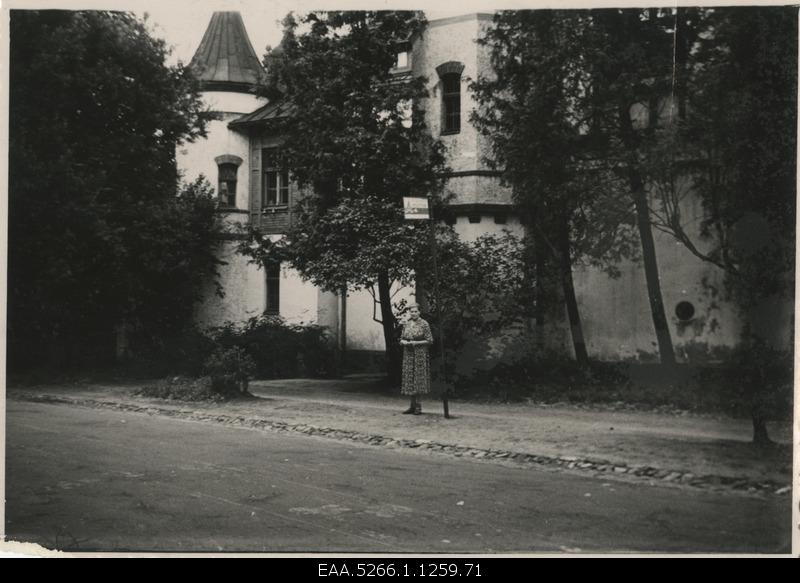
617	470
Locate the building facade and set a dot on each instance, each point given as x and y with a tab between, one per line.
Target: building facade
236	158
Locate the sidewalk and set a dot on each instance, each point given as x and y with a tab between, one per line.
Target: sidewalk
669	449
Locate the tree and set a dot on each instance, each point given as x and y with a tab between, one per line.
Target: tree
532	107
486	287
738	154
354	138
742	94
631	61
679	103
98	237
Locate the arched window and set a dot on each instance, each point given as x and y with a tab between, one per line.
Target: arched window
227	167
450	75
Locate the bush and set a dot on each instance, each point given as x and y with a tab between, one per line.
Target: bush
756	381
549	377
281	350
181	388
181	354
761	377
230	370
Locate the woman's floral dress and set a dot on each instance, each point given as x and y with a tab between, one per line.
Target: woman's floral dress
416	360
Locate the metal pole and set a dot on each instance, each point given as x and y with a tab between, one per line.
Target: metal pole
434	254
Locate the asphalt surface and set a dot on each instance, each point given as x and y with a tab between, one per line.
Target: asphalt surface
96	480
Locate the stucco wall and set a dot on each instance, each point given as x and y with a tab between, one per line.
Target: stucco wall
328	313
198	158
232	102
471	231
442	41
450	39
243	284
616	313
476	190
298	298
363	333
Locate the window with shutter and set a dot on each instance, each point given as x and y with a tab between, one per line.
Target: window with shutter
275	182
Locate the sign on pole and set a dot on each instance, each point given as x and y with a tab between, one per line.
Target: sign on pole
415	208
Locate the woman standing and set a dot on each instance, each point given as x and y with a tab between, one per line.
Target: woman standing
415	339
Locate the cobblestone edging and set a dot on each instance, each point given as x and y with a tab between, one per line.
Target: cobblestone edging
620	470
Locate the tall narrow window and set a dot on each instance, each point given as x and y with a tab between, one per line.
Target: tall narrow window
273	289
451	103
227	166
450	76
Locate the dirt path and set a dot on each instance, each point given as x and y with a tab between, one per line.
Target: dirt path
704	450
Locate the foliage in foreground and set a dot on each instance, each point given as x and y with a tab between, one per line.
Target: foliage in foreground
98	236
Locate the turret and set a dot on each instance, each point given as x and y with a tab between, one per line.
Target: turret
230	74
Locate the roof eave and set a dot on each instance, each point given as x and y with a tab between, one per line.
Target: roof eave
231	86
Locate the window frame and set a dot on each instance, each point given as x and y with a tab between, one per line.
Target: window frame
229	199
451	104
227	173
402	48
283	182
272	289
451	100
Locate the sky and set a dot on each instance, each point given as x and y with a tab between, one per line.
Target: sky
182	22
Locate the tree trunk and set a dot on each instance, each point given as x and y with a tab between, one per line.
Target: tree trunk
757	409
122	345
393	364
568	285
540	257
760	434
665	349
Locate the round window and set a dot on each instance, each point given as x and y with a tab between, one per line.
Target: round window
684	311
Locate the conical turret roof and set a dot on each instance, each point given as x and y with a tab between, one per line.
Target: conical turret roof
225	59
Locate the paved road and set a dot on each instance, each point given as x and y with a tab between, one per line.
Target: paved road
83	479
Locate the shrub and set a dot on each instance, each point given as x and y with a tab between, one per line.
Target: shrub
762	377
549	376
230	370
181	388
756	381
183	353
281	350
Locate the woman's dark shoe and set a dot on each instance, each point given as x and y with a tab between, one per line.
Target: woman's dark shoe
410	411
